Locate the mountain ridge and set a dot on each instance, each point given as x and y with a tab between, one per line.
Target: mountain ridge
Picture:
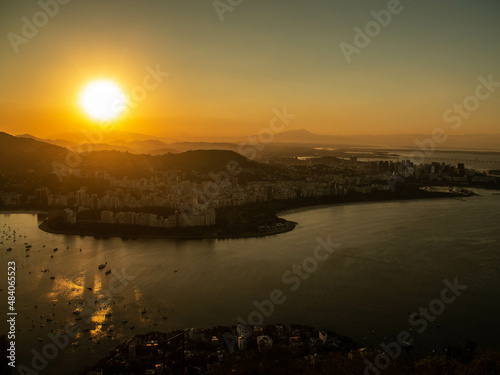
24	154
158	145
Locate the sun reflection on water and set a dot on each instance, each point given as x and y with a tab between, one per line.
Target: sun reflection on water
66	289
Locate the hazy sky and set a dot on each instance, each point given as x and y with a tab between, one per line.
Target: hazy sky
227	76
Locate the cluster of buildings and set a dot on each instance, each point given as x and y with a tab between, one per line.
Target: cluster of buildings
192	203
208	351
192	200
10	198
205	217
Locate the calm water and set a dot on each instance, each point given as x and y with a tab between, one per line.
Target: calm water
393	259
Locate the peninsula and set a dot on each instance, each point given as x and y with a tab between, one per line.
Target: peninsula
255	220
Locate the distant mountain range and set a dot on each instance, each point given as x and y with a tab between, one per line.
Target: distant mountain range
145	144
28	154
114	136
32	155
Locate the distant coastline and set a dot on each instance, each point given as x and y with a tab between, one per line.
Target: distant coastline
271	210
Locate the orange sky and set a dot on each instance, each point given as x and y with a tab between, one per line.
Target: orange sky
226	77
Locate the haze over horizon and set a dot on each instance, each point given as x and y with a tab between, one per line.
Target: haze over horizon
294	141
226	77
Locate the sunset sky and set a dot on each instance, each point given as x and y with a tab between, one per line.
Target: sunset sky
226	76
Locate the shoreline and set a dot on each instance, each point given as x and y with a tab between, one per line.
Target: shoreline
290	225
278	208
341	204
394	198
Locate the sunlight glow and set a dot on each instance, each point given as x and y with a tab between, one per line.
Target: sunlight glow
103	100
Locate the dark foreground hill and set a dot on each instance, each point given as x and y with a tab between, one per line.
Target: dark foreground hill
24	153
202	161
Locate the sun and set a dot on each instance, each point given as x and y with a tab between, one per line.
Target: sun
103	100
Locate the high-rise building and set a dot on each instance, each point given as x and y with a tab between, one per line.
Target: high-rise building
81	197
42	196
242	343
94	202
